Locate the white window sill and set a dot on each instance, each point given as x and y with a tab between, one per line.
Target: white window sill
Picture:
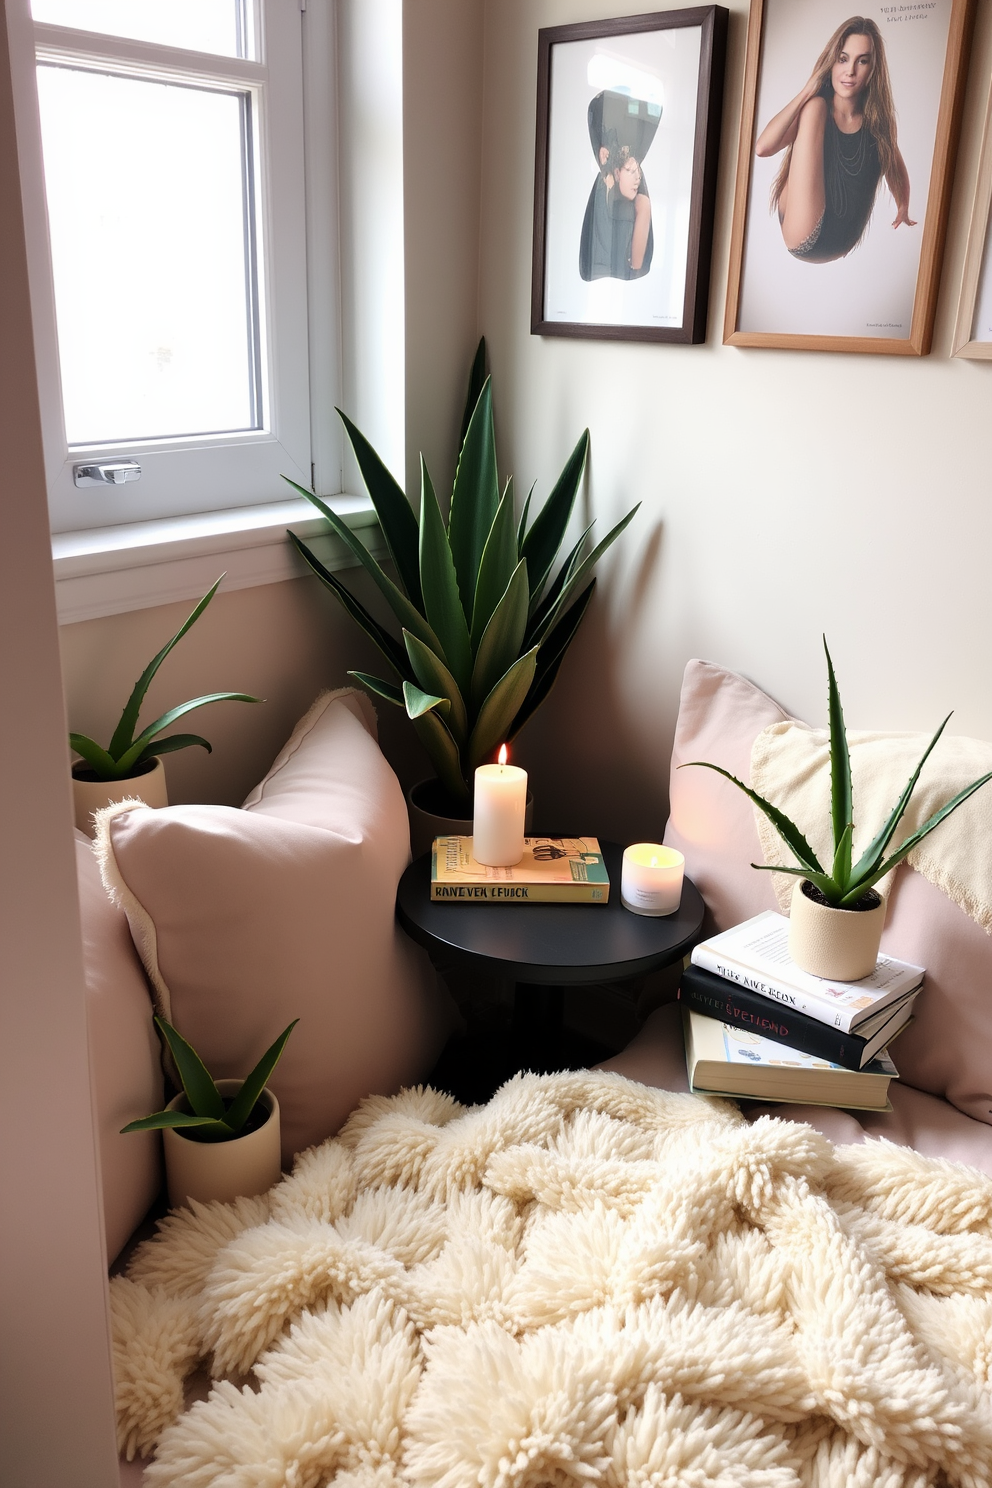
110	570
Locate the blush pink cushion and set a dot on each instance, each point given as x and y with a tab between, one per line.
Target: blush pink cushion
656	1056
948	1049
126	1072
285	909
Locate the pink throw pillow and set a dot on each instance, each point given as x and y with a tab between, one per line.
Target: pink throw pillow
124	1055
948	1049
284	909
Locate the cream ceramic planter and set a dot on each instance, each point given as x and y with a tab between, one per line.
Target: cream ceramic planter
91	795
839	944
426	823
240	1168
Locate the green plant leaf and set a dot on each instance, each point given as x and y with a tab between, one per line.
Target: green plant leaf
787	830
540	609
841	803
443	752
550	656
841	869
541	544
162	1119
522	524
911	841
128	759
501	708
386	690
405	612
499	559
201	1092
396	516
99	761
418	702
503	636
434	677
169	745
442	601
476	382
874	852
823	881
244	1102
579	575
474	499
124	732
387	644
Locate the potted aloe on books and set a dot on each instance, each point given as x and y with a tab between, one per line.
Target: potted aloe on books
485	620
221	1136
131	766
836	913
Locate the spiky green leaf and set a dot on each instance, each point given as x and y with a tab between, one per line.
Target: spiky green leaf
916	837
244	1102
440	585
540	609
418	702
499	559
443	752
547	532
840	872
434	677
823	881
474	499
787	830
581	572
476	382
200	1089
390	648
875	851
503	636
550	656
841	805
500	708
124	732
388	691
169	745
162	1119
103	765
130	756
396	516
522	524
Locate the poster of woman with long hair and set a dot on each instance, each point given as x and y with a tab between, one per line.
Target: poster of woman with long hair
844	173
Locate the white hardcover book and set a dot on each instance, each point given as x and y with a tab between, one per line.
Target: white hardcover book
756	955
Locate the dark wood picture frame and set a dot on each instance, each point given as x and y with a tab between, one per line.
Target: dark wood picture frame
712	23
933	227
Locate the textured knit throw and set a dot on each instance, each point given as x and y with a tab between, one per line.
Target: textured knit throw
585	1281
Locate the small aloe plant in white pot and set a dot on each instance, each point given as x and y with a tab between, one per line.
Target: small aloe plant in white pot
837	914
221	1137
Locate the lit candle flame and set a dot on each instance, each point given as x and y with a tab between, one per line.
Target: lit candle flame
502	756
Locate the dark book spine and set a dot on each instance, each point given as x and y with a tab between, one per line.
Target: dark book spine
713	996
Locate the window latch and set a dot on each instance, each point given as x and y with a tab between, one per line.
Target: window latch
106	473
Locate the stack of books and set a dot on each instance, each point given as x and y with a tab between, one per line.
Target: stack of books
553	870
758	1027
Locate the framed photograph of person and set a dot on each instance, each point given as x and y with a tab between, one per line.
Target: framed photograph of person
848	132
973	327
628	127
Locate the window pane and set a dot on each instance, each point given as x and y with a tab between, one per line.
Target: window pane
149	207
221	26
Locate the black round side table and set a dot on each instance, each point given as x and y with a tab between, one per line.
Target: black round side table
544	948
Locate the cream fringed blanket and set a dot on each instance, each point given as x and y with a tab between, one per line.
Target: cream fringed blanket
584	1282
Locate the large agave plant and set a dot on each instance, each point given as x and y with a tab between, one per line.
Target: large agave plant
484	624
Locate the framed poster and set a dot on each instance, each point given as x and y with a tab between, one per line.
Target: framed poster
843	177
973	328
628	126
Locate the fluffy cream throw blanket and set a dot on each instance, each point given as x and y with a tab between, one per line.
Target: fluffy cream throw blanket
790	766
586	1281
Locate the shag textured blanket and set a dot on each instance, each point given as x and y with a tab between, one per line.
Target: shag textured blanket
585	1281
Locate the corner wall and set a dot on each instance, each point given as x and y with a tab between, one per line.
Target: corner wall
785	493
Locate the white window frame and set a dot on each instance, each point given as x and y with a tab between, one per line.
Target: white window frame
218	503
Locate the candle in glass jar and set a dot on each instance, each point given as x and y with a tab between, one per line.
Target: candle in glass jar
651	879
498	816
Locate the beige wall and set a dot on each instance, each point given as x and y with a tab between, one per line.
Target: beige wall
784	493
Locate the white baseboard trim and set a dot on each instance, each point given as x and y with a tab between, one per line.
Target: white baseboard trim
111	570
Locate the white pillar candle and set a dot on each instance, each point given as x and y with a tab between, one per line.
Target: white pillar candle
651	879
498	816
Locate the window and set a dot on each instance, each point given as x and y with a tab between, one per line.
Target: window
173	143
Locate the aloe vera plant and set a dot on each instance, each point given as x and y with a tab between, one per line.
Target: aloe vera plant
484	625
216	1119
845	882
125	754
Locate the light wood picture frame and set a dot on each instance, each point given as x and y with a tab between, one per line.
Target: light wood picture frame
975	300
831	289
616	258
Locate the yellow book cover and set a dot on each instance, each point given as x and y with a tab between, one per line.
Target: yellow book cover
563	870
